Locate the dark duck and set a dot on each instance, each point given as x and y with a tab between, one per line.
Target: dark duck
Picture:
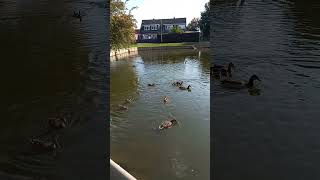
240	84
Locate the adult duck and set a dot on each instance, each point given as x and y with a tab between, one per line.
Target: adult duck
45	145
178	83
168	124
77	15
151	84
222	70
58	123
185	88
239	84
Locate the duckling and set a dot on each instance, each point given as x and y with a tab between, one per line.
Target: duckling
168	124
57	123
240	84
185	88
45	145
165	99
153	84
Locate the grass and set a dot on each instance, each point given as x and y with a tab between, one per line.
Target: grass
159	44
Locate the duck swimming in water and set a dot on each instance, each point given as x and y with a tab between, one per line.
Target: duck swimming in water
122	107
57	123
178	83
168	124
77	15
222	70
45	145
153	84
185	88
239	84
165	99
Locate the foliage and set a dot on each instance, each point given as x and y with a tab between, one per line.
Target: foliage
204	22
176	30
193	25
122	25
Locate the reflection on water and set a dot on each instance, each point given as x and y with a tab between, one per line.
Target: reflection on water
273	135
181	152
52	64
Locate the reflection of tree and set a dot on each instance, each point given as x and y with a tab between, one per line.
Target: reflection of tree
123	82
307	14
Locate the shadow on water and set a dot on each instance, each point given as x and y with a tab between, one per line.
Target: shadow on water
136	143
53	65
273	135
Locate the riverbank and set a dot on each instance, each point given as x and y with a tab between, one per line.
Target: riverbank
134	49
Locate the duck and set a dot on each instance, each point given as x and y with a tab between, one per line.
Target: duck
45	145
239	84
153	84
58	123
123	107
77	15
185	88
165	99
222	70
128	101
168	124
177	83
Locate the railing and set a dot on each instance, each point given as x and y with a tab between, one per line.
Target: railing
118	173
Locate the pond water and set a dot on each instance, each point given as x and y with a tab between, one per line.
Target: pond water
274	135
181	152
53	64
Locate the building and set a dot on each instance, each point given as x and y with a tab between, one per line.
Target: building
151	29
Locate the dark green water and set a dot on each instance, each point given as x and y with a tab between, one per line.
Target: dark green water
181	152
53	64
274	135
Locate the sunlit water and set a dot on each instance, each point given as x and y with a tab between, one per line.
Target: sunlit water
274	135
53	64
181	152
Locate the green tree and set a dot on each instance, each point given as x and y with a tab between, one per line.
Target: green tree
122	25
204	22
193	25
176	30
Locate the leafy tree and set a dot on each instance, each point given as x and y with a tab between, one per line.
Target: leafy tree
176	30
204	22
122	25
193	25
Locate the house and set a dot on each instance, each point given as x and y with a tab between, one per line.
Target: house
151	29
137	33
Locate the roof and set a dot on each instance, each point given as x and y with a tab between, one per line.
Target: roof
165	21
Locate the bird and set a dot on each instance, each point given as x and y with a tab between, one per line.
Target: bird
239	84
45	145
222	70
165	99
167	124
58	123
185	88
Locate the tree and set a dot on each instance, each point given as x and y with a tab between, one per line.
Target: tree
204	22
176	30
193	25
122	25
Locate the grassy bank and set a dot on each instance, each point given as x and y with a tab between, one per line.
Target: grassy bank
197	44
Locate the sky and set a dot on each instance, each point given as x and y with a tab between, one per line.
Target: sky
162	9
